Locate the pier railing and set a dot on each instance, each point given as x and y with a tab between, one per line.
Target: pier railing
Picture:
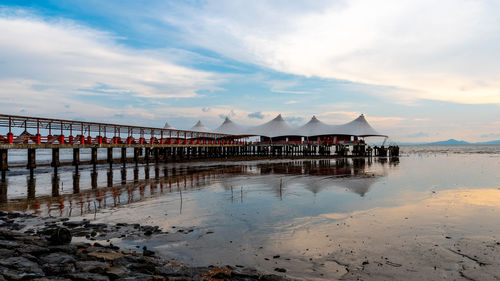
36	130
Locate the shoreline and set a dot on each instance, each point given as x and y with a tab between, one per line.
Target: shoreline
33	252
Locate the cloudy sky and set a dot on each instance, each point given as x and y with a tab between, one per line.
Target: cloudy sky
419	70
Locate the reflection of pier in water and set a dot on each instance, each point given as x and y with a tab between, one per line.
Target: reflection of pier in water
354	173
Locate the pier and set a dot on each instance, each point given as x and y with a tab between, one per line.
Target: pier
155	145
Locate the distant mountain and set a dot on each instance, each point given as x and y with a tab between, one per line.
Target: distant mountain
448	142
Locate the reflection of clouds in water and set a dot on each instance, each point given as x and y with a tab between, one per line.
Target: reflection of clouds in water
350	174
357	184
123	186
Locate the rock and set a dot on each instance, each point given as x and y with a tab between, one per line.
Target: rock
52	278
276	257
140	277
272	277
116	272
58	263
69	248
81	245
106	256
73	224
58	269
17	268
85	276
58	258
34	250
280	269
6	252
91	266
142	268
5	244
217	273
180	271
245	272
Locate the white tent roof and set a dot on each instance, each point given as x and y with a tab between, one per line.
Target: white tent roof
276	127
199	127
231	128
167	126
357	127
315	128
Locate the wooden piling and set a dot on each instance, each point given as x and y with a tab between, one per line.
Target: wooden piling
3	190
93	156
110	156
4	163
76	182
76	157
147	154
124	156
93	179
55	158
31	159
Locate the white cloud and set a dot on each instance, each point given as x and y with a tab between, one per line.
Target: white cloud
441	50
58	58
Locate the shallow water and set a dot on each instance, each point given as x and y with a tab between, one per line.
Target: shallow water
402	218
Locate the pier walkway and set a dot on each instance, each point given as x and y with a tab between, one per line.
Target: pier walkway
149	144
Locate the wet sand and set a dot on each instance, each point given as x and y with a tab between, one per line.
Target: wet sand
427	216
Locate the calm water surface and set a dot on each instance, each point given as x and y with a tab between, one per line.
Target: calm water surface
321	217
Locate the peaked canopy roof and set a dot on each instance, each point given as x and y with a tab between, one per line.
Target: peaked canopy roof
199	127
229	127
315	128
276	127
168	126
358	127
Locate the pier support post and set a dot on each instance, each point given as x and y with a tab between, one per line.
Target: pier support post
4	163
124	156
136	156
55	158
3	190
31	183
31	159
156	153
93	179
165	155
76	182
55	184
124	175
93	157
147	153
136	175
157	172
76	157
110	156
110	178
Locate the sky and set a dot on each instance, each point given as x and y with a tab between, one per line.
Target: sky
419	70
